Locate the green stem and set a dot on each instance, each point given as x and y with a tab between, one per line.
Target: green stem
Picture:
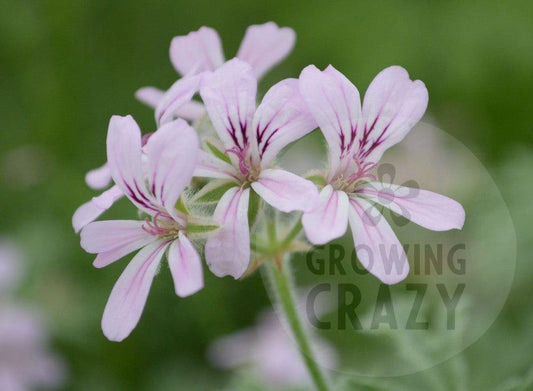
292	234
282	281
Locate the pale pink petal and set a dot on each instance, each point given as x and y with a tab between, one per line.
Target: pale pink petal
227	252
186	267
172	153
209	166
124	156
336	106
150	96
127	300
190	111
90	211
330	219
113	239
197	51
229	97
425	208
393	104
266	45
98	178
377	247
286	191
233	350
177	99
281	118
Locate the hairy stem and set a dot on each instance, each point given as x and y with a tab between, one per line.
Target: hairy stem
282	281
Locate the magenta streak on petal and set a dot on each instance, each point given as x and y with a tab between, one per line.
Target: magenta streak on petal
144	269
360	212
344	148
334	202
260	134
135	197
164	181
233	200
274	132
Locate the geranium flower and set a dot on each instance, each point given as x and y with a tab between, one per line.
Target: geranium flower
26	362
271	353
251	138
154	186
357	138
263	47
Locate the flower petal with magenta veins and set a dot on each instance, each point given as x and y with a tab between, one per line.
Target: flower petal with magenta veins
281	118
336	106
393	104
227	252
124	159
330	219
128	298
186	267
172	153
229	97
425	208
113	239
377	247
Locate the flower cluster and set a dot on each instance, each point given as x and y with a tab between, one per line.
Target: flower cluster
200	185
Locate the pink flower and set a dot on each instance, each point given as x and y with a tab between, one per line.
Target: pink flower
357	138
251	138
271	352
154	186
10	267
25	360
263	47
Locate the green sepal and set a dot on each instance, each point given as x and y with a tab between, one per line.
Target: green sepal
254	206
213	191
181	206
216	151
198	227
317	179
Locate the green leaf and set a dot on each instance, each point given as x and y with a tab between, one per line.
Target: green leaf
216	151
213	191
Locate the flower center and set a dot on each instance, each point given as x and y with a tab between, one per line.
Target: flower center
360	173
162	225
249	171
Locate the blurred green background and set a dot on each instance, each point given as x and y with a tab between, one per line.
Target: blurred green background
67	66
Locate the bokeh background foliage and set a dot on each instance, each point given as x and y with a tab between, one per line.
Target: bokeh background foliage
67	66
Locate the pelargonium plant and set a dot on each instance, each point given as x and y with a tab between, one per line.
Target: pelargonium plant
207	185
